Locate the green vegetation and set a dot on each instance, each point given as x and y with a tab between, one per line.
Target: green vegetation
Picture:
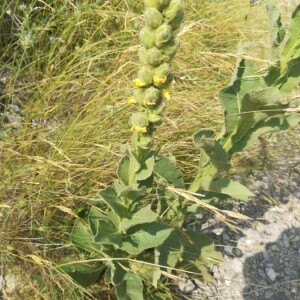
72	66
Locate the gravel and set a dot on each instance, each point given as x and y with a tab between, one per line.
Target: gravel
262	261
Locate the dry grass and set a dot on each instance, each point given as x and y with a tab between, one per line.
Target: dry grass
72	66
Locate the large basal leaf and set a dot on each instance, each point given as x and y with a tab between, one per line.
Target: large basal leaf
134	287
290	58
275	123
82	237
292	47
170	252
203	133
127	169
199	254
116	272
109	197
168	172
245	79
277	31
231	188
217	155
146	168
84	274
257	106
133	192
103	229
145	236
144	215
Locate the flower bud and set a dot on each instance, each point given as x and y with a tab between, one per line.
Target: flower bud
163	34
155	57
139	120
153	18
147	37
152	96
145	75
154	118
170	48
171	11
177	20
162	70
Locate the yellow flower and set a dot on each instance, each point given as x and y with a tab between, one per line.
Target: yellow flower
159	80
148	103
166	94
131	100
139	83
138	129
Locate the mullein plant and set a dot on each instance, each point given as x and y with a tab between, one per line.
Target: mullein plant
133	233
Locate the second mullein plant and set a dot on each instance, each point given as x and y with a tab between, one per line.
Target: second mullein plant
133	233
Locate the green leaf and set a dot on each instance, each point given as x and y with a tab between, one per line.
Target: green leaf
171	250
133	192
292	47
82	237
230	187
245	79
168	172
277	31
216	154
134	287
144	215
103	229
275	123
257	106
84	274
145	236
203	133
109	196
146	168
115	273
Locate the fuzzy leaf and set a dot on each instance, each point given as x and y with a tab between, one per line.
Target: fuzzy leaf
231	188
276	29
144	215
216	154
245	79
146	169
203	133
82	237
109	196
275	123
166	170
256	106
84	274
103	229
145	236
134	287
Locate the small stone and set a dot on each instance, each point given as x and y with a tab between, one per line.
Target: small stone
271	274
228	251
238	252
269	295
261	273
236	266
266	255
225	237
186	286
218	231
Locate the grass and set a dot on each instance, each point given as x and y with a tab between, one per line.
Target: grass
70	70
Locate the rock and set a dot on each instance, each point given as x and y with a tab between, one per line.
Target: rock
228	251
269	295
218	231
271	273
186	287
238	252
